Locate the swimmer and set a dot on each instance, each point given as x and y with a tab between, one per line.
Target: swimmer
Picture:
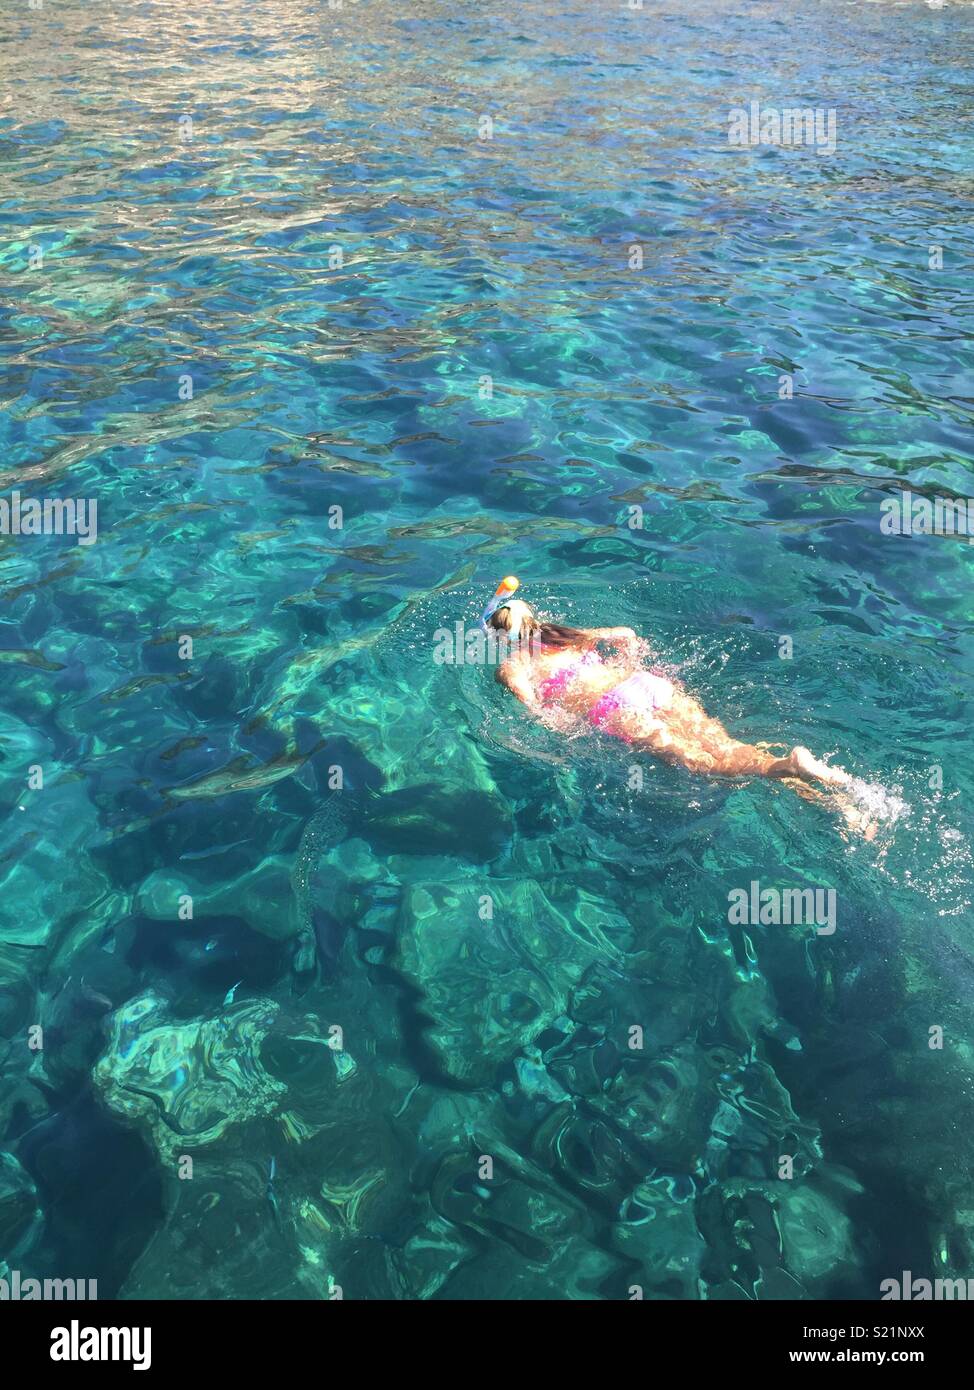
569	677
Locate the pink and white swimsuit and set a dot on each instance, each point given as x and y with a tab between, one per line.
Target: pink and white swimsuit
554	687
642	690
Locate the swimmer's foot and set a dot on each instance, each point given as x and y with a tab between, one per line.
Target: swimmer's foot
814	770
858	821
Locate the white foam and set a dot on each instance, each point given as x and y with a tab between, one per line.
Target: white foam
876	800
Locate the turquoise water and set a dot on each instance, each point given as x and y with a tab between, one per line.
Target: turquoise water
261	262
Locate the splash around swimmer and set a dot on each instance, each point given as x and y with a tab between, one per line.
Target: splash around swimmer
605	680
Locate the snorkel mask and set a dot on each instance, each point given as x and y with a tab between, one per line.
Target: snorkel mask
502	593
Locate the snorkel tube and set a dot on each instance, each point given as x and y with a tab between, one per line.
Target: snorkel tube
502	593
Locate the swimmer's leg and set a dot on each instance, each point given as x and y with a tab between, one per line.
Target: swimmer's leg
726	757
747	760
857	820
813	769
801	769
685	733
703	745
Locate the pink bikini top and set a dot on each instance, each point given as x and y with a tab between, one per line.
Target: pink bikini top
554	687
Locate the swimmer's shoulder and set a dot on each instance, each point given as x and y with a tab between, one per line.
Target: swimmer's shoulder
511	669
516	674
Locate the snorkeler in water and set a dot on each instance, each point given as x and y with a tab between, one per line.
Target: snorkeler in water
570	677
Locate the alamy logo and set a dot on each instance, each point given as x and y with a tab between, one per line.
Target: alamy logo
472	646
50	516
906	515
15	1288
77	1343
912	1290
774	907
755	124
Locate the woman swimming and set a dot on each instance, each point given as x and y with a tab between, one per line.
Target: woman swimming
571	676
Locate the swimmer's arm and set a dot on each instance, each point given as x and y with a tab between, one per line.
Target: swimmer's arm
518	683
623	639
517	680
610	634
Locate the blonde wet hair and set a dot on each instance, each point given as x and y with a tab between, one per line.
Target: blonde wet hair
522	623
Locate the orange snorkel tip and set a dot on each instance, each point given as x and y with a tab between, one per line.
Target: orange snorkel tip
505	588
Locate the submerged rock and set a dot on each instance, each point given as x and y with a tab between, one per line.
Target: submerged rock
261	897
274	1142
427	820
20	1212
784	1239
660	1231
185	1082
488	985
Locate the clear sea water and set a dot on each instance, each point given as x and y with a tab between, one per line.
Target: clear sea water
261	261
